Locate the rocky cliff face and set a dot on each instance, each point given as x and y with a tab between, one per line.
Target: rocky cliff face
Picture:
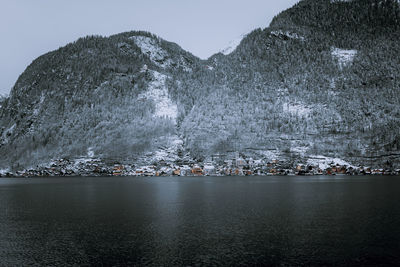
321	80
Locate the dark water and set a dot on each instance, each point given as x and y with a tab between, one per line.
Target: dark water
200	221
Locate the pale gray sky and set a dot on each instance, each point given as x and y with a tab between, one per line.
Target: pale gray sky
30	28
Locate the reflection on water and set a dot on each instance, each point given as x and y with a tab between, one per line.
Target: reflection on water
209	221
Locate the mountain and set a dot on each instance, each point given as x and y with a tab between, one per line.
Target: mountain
98	94
321	80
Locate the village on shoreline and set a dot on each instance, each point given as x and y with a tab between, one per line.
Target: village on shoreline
239	166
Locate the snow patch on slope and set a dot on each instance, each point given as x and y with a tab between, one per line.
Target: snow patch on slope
184	65
233	45
296	109
158	92
151	47
171	153
39	105
344	57
168	153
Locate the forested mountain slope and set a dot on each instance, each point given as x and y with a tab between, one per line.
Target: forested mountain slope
94	94
321	80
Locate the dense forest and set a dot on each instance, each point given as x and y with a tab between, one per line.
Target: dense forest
350	111
321	80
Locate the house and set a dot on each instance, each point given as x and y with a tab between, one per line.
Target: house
329	171
197	170
334	169
139	172
166	171
117	170
236	172
176	172
300	167
149	172
145	171
342	169
377	171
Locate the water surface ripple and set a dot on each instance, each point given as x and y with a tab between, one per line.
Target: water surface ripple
200	221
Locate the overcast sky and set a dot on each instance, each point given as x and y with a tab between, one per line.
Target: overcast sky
30	28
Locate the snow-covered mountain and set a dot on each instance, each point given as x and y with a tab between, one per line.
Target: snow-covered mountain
321	82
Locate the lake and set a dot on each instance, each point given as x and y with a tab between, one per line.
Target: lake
317	220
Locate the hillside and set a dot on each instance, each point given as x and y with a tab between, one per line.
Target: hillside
98	94
301	88
322	80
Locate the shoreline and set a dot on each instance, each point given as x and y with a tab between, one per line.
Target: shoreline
89	167
94	175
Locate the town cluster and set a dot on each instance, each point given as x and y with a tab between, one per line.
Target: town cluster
236	167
